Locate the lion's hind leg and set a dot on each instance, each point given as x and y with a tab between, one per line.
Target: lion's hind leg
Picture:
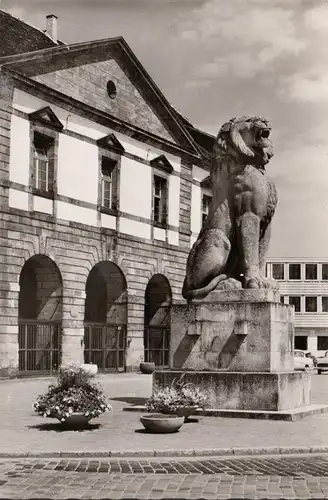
207	263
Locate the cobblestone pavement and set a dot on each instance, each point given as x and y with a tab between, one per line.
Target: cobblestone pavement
23	431
270	478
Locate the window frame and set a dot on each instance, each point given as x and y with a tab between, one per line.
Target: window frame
107	178
317	274
324	297
300	303
283	270
204	214
163	223
324	264
114	162
311	297
51	140
300	267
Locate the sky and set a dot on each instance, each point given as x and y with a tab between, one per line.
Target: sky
215	59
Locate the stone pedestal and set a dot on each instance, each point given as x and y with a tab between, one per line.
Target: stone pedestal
237	330
237	346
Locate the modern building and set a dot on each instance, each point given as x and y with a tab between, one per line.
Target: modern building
303	283
103	191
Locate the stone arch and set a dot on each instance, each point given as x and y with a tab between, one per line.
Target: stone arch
158	301
40	309
105	317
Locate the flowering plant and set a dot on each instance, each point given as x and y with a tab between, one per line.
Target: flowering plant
74	392
178	395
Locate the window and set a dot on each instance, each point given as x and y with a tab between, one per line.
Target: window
282	299
294	271
325	271
111	89
159	199
107	167
322	343
43	162
206	202
311	272
301	342
325	304
311	304
278	271
295	301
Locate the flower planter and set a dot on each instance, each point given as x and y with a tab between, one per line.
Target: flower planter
183	411
90	368
76	420
161	424
147	368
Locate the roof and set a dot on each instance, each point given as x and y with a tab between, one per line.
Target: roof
64	56
204	140
23	45
17	37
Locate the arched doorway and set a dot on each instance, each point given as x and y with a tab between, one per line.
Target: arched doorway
105	319
158	300
40	315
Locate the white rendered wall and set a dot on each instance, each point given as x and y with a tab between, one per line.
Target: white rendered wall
67	211
135	228
42	205
135	188
78	167
18	199
196	216
19	150
174	204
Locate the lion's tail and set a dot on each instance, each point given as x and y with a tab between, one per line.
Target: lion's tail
201	293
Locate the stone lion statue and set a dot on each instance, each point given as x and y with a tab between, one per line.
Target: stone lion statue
231	247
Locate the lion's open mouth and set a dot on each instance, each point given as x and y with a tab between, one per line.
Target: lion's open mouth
264	133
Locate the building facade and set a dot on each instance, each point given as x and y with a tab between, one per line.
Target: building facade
103	191
303	283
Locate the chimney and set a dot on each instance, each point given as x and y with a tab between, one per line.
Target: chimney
52	27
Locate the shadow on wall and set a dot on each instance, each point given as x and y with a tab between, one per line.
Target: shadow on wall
229	350
184	350
217	355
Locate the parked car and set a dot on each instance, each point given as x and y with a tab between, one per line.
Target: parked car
322	363
302	361
314	358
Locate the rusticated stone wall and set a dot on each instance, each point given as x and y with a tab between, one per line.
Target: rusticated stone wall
76	249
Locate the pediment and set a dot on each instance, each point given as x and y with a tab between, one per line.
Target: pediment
162	163
112	143
47	117
107	76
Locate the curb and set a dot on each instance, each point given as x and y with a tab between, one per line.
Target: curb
215	452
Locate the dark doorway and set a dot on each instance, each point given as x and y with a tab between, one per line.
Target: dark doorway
105	317
158	300
40	315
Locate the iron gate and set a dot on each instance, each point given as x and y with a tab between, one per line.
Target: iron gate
104	345
157	345
39	346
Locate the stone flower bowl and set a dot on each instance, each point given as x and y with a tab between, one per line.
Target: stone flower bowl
147	367
76	420
158	423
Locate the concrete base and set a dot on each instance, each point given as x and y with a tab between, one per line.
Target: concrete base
233	330
287	416
255	391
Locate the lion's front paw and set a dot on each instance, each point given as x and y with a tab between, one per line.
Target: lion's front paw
261	282
229	284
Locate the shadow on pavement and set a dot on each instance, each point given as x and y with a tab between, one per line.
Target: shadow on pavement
58	427
131	400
